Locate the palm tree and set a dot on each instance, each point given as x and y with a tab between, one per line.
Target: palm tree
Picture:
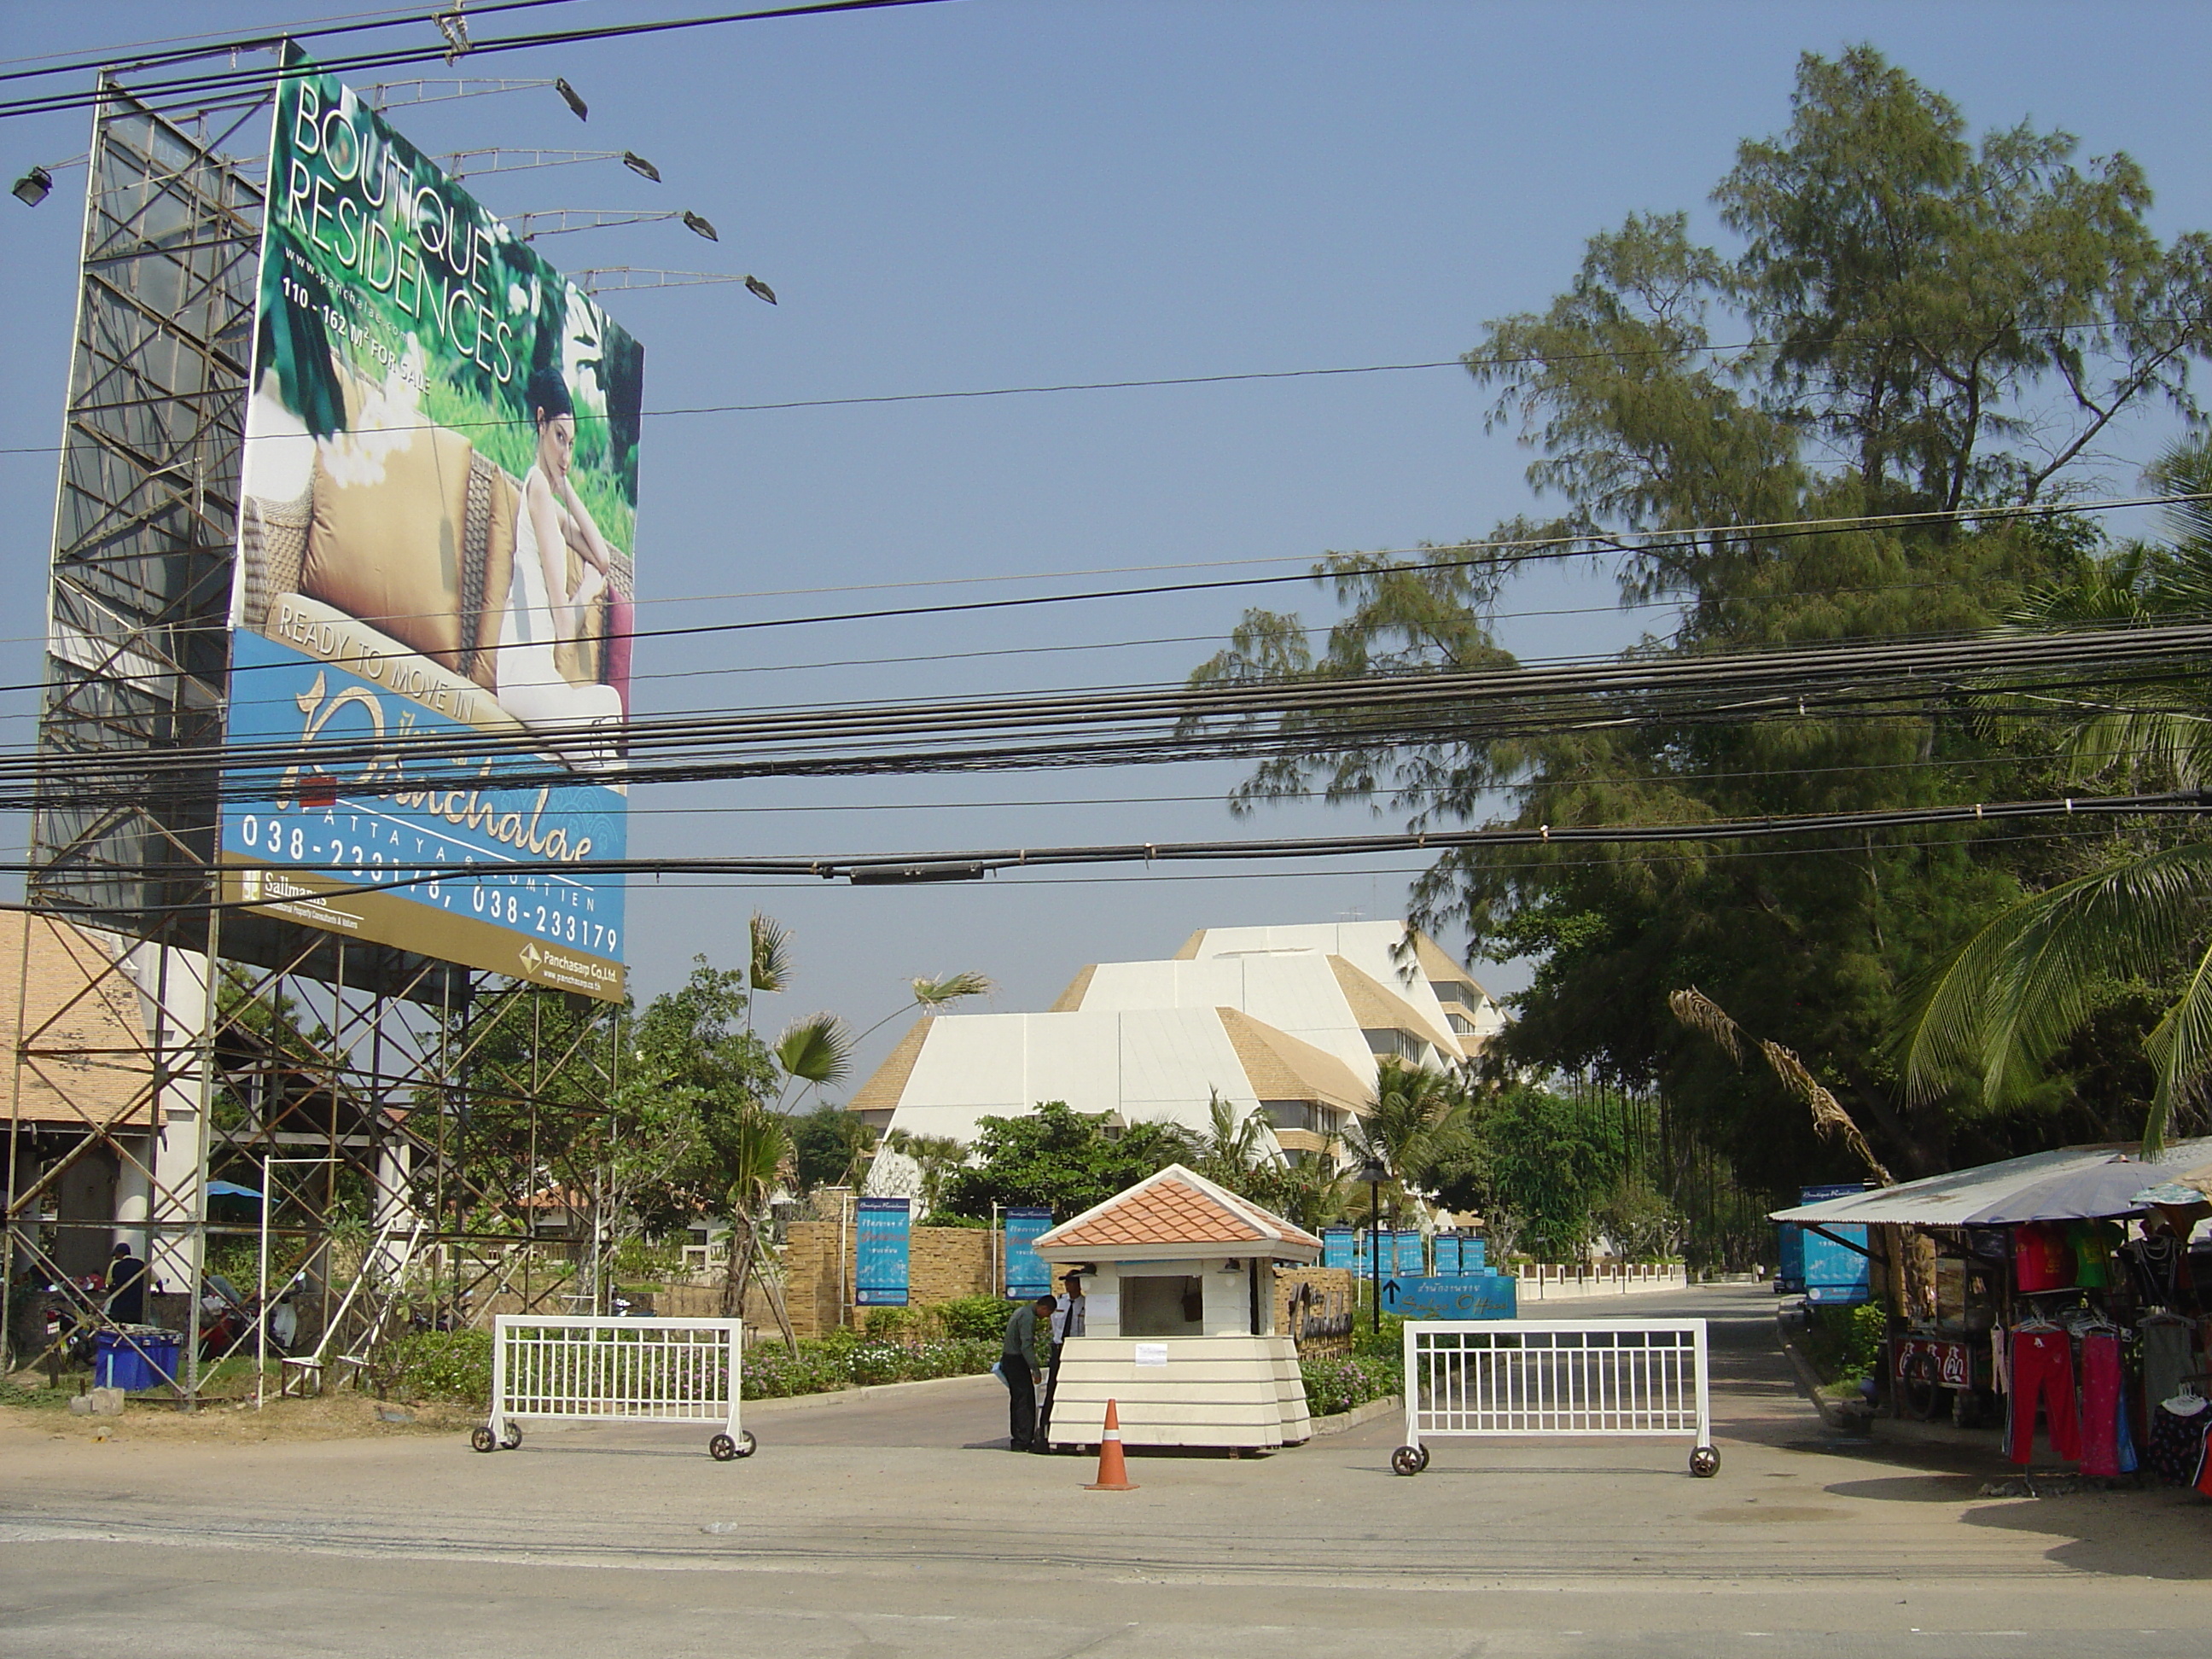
2034	973
1230	1148
754	1148
935	1159
1418	1119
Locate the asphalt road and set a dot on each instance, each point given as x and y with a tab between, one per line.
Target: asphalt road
900	1526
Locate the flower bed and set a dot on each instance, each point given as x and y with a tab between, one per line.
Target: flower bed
1339	1384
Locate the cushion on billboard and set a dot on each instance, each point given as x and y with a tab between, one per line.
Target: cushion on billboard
487	567
389	551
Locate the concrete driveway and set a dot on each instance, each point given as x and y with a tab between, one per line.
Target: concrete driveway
901	1526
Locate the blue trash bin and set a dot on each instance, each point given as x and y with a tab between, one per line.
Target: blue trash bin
140	1359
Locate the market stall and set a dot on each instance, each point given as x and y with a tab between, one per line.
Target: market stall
2057	1287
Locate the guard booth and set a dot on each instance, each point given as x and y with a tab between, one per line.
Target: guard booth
1178	1278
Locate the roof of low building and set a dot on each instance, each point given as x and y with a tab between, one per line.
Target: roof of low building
1175	1208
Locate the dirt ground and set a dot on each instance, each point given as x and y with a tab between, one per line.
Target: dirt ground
336	1416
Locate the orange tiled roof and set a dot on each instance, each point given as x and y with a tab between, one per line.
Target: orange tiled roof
1163	1211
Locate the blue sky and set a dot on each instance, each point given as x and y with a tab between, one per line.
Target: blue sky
996	193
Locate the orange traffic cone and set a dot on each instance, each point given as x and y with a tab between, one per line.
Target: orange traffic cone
1113	1473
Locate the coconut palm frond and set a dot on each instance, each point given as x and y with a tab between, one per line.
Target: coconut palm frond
2166	737
951	988
772	965
2028	980
815	1050
2181	1050
2069	943
1701	1013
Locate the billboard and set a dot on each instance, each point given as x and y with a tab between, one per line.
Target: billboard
437	524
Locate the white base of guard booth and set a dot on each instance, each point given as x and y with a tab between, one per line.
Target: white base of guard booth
1242	1392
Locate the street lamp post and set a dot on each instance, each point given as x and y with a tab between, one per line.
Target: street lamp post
1374	1174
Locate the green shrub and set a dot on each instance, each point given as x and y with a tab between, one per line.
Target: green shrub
895	1324
1845	1344
434	1366
844	1360
975	1319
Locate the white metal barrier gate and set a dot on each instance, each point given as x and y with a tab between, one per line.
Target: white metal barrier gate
1556	1377
553	1368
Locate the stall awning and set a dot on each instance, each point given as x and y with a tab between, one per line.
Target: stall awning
1965	1196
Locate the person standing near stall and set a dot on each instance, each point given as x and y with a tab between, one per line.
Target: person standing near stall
127	1287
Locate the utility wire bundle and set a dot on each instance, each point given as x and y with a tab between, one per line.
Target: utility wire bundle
1150	726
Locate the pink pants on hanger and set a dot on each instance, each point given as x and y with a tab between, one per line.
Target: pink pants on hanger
2042	1372
2107	1448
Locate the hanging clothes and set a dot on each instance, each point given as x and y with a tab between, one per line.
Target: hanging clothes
2176	1452
2042	1374
2156	1263
2042	1259
2107	1448
2169	1342
2093	1243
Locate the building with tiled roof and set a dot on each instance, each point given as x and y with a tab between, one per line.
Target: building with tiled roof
1289	1022
1168	1214
1178	1280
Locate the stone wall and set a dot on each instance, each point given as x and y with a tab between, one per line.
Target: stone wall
1316	1306
944	1264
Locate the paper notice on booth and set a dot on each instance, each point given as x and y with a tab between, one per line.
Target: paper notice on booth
1152	1353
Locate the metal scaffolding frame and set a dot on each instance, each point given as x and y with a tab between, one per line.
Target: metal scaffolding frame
435	1123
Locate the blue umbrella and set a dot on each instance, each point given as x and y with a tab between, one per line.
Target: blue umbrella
229	1189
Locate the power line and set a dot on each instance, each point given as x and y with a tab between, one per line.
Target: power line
973	864
1505	554
1164	723
207	46
51	103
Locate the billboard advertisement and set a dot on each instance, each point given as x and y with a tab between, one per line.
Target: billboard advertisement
431	619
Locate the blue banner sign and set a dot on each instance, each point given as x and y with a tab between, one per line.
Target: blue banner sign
1027	1272
1409	1259
880	1254
1461	1296
1835	1275
1340	1247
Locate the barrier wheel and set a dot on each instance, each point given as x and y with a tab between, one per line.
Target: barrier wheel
510	1438
1409	1460
1705	1462
746	1444
480	1437
722	1449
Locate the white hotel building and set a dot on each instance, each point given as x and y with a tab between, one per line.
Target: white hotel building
1289	1022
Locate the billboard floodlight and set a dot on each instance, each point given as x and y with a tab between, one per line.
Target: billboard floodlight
560	222
474	163
35	185
619	279
389	94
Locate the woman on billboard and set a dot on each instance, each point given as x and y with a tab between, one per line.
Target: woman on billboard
543	611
